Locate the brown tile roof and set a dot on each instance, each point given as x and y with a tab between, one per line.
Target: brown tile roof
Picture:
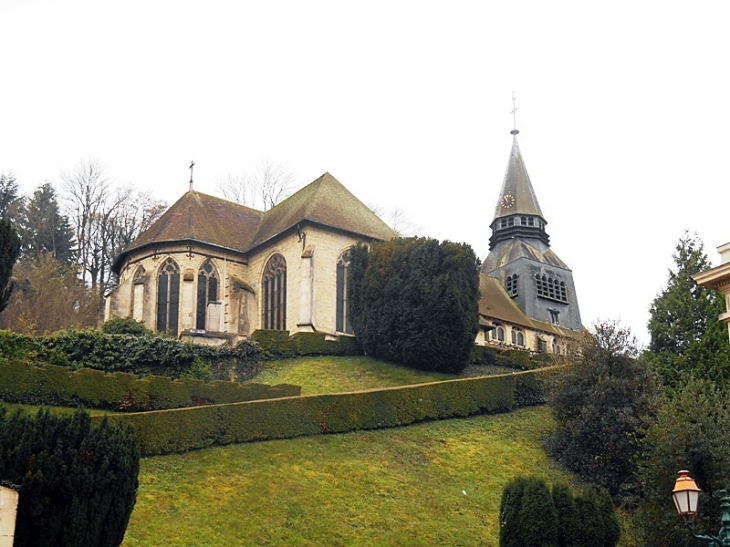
213	220
327	202
496	304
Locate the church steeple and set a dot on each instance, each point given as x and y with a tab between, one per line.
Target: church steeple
518	213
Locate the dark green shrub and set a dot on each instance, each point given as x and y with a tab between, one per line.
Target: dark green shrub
602	400
125	325
483	355
515	358
533	516
415	301
276	344
142	355
692	431
77	482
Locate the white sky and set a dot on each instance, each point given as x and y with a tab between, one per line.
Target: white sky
623	112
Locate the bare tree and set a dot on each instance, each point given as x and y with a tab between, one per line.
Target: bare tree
271	184
238	188
132	214
105	219
86	193
397	219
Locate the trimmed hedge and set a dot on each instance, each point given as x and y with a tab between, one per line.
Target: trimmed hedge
53	385
181	430
142	355
277	344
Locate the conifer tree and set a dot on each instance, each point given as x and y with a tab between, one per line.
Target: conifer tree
77	483
414	301
9	250
686	337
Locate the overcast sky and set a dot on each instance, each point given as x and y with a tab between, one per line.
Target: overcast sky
622	110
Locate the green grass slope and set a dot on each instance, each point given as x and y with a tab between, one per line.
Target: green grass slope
437	483
317	375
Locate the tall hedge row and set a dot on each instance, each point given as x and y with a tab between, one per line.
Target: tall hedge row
26	383
187	429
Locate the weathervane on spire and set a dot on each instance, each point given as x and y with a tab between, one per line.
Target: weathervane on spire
514	115
192	164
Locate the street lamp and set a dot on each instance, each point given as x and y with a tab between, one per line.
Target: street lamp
686	495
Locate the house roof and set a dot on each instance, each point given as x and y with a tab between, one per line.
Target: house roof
208	219
496	304
327	202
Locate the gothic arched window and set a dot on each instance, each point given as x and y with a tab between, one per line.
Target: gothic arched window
343	308
168	297
207	292
274	285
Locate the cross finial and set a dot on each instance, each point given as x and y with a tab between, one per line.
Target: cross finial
514	115
192	164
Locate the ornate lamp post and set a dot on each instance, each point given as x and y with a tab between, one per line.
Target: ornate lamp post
686	495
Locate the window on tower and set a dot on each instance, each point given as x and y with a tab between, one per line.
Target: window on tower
511	285
547	287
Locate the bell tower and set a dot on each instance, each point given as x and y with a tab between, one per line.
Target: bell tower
520	256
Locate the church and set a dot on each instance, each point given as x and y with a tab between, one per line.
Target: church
213	271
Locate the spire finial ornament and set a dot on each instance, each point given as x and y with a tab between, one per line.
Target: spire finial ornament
514	115
192	164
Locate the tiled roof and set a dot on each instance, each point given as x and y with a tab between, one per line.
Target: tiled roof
496	304
325	201
213	220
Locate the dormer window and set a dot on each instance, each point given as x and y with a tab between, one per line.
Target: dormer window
530	221
523	221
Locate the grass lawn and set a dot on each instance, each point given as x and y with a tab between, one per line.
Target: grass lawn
318	375
436	483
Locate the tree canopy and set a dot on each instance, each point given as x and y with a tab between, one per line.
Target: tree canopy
415	301
686	337
692	432
602	401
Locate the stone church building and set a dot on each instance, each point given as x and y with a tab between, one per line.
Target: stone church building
212	270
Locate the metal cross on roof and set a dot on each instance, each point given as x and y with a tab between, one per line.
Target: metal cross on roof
192	164
514	115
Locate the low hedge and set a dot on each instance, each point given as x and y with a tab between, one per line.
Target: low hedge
142	355
277	344
22	382
187	429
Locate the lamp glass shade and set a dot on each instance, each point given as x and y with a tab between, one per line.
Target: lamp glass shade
686	494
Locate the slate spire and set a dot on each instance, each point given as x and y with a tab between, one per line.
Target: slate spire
518	213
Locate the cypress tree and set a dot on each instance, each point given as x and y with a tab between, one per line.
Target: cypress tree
77	483
415	302
9	250
509	531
